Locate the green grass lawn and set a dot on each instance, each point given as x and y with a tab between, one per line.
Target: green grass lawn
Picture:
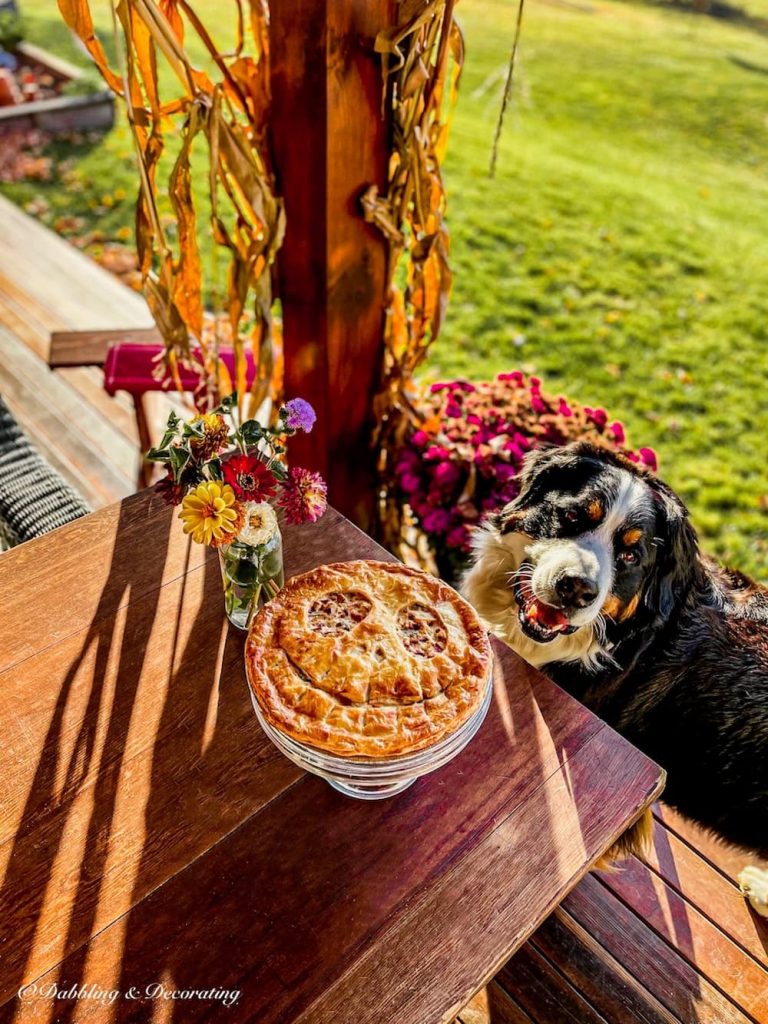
621	250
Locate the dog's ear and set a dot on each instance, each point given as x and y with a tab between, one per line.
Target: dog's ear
544	468
677	556
535	463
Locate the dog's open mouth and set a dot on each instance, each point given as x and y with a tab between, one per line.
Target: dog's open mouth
539	621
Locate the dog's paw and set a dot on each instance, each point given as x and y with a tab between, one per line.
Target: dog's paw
753	882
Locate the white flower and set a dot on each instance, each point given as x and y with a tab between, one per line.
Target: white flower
260	523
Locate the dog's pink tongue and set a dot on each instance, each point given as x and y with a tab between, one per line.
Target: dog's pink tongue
548	616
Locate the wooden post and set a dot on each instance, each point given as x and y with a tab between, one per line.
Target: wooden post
331	142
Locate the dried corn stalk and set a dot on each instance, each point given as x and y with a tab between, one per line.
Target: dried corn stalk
225	110
423	56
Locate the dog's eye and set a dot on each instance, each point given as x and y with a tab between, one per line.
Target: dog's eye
571	515
629	556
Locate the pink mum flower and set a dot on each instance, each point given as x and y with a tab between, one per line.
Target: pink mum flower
446	474
436	521
410	483
617	429
304	496
648	456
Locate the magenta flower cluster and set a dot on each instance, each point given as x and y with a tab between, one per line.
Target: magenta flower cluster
465	460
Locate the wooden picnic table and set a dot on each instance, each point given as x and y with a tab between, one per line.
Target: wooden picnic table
151	835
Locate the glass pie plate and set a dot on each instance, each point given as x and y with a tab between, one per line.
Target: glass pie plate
374	778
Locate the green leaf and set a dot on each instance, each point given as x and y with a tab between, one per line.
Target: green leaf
159	454
214	469
179	458
252	432
194	429
171	430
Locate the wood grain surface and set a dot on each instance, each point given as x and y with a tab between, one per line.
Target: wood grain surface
150	833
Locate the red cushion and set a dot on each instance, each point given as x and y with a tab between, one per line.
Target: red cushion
130	366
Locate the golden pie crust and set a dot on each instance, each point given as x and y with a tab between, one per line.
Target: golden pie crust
367	659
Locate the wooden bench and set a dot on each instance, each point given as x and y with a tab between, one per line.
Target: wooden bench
663	940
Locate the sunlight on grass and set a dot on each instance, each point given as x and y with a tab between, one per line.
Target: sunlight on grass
620	251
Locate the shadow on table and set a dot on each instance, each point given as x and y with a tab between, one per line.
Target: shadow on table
194	724
59	777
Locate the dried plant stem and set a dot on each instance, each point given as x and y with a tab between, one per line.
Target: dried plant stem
507	88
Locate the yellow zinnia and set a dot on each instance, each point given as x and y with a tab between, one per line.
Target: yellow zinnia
215	436
211	514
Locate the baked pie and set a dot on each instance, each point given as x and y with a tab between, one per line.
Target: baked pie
367	659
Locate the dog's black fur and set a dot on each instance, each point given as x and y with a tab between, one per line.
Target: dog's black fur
686	677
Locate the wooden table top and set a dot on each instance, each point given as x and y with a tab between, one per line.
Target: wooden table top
151	835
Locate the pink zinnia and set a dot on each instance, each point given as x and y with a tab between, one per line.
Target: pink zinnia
304	496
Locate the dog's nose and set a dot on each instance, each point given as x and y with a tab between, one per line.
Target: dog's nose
576	591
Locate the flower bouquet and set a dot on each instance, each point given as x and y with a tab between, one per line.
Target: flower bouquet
465	456
229	476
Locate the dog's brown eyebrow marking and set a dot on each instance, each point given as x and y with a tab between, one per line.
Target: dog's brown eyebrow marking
595	510
615	608
630	537
630	608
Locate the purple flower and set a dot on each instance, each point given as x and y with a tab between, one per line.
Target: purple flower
453	409
563	408
419	438
299	415
537	404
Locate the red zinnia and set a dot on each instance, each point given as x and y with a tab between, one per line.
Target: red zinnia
249	478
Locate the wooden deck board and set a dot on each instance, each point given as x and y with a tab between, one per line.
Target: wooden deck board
665	940
47	285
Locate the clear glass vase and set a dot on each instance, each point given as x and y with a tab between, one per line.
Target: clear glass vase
251	575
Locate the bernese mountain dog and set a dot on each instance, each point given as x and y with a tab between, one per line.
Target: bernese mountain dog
594	574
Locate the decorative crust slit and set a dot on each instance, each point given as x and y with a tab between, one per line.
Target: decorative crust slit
367	659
